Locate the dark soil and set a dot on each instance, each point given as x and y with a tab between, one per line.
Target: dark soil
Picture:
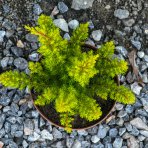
50	113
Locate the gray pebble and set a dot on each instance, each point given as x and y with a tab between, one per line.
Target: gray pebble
122	131
37	9
34	57
56	133
95	139
102	132
62	24
46	135
119	106
140	54
2	34
17	51
129	22
136	44
2	120
118	143
113	132
66	36
4	62
122	114
20	63
4	100
62	7
31	38
97	34
81	4
121	13
73	24
122	50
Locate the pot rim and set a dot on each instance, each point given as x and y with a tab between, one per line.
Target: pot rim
88	127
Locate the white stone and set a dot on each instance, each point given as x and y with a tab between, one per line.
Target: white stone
81	4
138	123
34	137
77	144
83	132
136	88
121	13
140	54
46	135
73	24
2	34
20	44
97	34
95	139
62	24
132	142
144	133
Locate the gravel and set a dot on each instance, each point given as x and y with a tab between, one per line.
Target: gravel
20	63
73	24
62	7
62	24
81	4
97	34
2	34
95	139
121	14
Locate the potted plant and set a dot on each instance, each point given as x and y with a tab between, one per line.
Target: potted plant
73	84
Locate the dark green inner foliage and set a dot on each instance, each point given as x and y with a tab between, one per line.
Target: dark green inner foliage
70	77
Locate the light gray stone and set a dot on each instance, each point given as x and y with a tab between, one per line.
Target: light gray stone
121	13
62	24
146	58
102	132
81	4
4	62
34	137
119	106
121	50
73	24
139	124
97	34
66	36
140	54
4	100
122	114
136	44
17	51
62	7
95	139
69	142
113	132
136	88
21	63
118	143
34	57
144	133
129	22
46	135
31	38
77	144
28	127
37	9
2	34
57	134
2	120
83	132
132	142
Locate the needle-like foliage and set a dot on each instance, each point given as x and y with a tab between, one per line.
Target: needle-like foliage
68	77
